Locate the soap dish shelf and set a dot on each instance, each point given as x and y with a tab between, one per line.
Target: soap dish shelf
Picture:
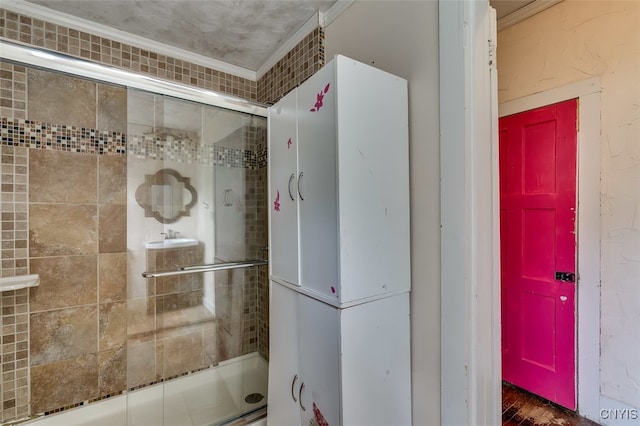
19	282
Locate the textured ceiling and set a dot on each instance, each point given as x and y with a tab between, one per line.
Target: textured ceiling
244	33
239	32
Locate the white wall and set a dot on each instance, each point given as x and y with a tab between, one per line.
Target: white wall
401	37
574	41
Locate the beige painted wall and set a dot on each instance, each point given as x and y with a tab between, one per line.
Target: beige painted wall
572	41
402	38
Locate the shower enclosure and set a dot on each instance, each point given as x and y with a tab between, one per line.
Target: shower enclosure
147	225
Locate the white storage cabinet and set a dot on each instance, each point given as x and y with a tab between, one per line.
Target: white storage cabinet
339	241
339	185
347	366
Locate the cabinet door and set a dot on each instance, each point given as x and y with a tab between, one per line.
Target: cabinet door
317	183
319	360
283	192
373	174
376	373
284	378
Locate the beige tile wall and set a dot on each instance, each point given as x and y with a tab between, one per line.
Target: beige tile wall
77	245
74	239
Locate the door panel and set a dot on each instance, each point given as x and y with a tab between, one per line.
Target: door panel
538	243
319	360
537	215
317	184
283	360
283	154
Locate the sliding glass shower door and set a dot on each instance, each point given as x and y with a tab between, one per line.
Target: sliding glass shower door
196	351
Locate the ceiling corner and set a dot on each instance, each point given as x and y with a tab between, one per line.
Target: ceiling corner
525	12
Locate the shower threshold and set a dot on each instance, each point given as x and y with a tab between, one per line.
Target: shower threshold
211	397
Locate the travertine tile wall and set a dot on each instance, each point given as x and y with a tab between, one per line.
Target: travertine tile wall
74	322
77	243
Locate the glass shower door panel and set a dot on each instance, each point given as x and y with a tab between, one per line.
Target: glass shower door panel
192	339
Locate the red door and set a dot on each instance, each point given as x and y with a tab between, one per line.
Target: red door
538	250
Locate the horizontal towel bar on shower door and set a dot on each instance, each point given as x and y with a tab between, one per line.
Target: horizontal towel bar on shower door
211	267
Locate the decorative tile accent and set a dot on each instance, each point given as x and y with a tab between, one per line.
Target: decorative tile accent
13	90
15	212
80	44
299	64
30	134
14	352
184	151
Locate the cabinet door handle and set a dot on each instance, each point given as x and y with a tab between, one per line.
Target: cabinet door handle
293	384
300	397
300	180
293	175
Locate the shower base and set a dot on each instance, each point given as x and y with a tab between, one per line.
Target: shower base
211	397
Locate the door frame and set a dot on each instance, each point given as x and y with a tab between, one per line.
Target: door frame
588	217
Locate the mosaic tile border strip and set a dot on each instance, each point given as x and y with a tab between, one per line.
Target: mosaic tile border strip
300	63
14	377
13	90
29	134
190	152
15	211
36	32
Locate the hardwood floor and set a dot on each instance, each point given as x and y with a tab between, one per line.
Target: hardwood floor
522	408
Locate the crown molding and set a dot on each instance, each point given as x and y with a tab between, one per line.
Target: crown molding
335	10
59	18
525	12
